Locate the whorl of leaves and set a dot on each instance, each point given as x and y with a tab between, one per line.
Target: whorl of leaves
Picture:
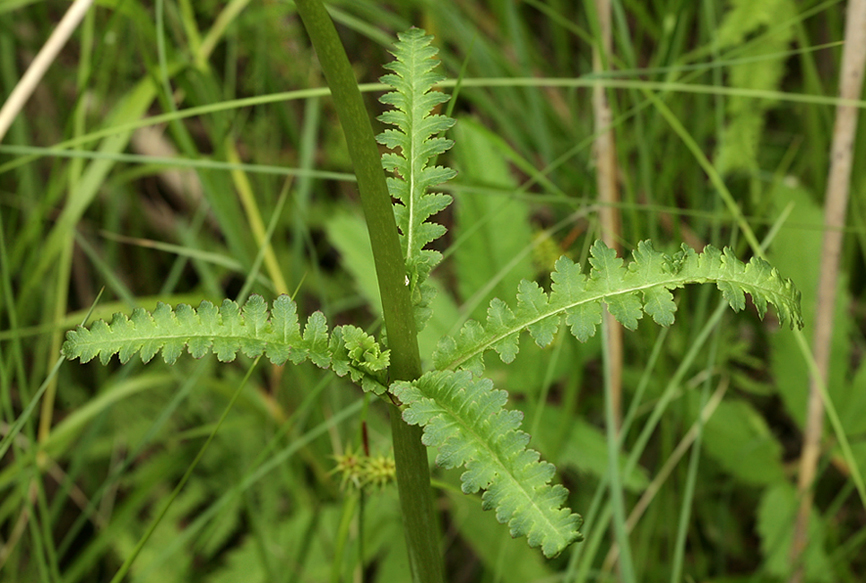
629	291
414	134
464	417
228	330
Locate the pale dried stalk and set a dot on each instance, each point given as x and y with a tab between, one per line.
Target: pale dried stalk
835	204
608	193
19	96
608	197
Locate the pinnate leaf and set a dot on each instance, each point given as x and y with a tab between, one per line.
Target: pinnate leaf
569	282
658	300
356	353
500	322
610	278
464	417
642	286
532	307
416	144
227	330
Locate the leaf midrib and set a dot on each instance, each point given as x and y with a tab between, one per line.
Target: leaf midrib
667	284
484	443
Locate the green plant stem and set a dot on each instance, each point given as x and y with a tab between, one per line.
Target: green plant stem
617	502
413	472
375	198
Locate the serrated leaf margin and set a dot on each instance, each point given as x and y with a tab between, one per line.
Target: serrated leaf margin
252	330
415	143
629	290
464	417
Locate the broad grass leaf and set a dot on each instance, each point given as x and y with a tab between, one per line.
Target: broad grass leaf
739	439
776	514
492	227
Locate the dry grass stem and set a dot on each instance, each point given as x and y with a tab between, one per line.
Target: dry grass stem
19	96
836	202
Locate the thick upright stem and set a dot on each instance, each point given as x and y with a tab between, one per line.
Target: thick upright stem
413	473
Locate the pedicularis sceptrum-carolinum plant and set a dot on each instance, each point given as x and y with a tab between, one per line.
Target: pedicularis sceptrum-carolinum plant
459	410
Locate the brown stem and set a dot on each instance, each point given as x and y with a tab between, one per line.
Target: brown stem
608	193
608	196
836	202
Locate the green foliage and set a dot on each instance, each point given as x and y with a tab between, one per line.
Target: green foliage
460	412
740	147
738	439
484	257
228	330
776	514
790	373
643	286
464	417
583	447
461	415
416	127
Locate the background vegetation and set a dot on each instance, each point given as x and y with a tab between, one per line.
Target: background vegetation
165	187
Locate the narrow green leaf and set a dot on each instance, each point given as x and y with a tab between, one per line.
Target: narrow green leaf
416	146
465	418
228	330
643	286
